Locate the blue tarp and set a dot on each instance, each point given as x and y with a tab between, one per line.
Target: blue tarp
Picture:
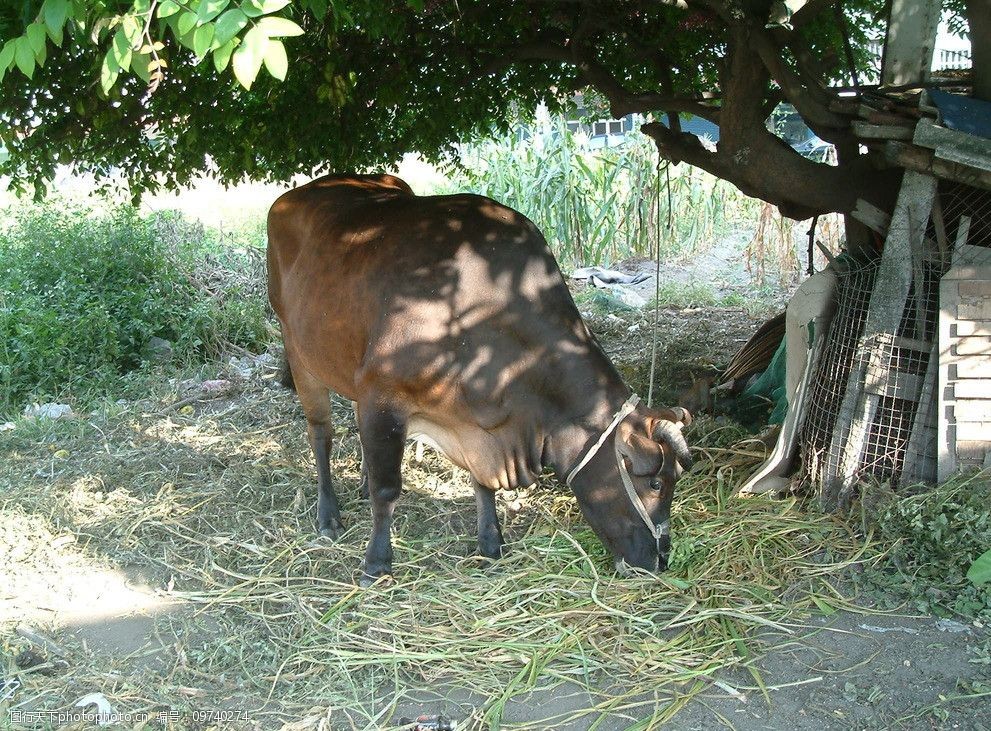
963	113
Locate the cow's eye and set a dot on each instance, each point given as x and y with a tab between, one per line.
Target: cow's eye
655	483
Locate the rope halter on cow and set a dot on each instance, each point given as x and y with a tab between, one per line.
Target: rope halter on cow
660	529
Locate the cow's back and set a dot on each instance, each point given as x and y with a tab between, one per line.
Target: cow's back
448	304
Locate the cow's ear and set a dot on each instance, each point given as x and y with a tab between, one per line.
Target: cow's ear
645	455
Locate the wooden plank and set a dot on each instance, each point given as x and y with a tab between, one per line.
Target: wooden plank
922	160
894	384
921	452
953	145
942	240
872	217
868	131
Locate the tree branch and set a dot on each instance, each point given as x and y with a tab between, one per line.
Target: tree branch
621	100
809	11
805	96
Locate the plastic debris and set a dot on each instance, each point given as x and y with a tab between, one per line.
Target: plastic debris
50	410
104	711
602	277
428	723
8	686
951	625
875	628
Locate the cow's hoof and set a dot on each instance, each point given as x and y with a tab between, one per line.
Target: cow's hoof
492	552
366	580
332	530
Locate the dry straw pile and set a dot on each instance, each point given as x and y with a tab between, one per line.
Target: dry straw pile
217	507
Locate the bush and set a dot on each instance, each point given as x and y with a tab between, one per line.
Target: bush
84	291
933	538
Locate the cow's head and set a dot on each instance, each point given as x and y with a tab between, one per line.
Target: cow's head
646	445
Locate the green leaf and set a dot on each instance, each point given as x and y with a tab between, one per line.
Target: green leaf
139	65
277	27
276	61
210	9
120	49
250	9
36	36
254	8
187	21
24	56
7	55
825	607
56	35
167	8
203	39
222	56
980	571
229	25
109	71
248	57
133	30
55	12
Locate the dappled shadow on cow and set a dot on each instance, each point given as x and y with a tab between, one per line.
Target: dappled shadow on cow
447	317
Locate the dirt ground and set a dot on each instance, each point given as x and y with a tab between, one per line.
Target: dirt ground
861	669
171	628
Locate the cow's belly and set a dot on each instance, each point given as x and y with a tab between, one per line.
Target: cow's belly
489	461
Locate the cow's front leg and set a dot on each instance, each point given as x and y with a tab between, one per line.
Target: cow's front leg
383	436
490	541
363	471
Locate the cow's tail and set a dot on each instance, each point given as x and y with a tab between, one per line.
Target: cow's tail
285	374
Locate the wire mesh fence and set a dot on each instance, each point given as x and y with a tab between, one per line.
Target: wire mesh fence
871	409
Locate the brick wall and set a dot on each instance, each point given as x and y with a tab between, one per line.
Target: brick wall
964	423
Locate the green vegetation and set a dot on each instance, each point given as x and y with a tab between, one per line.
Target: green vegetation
85	291
934	537
601	206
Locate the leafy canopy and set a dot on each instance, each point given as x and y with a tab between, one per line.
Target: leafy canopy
163	89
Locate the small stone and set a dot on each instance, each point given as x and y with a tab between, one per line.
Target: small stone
158	350
219	385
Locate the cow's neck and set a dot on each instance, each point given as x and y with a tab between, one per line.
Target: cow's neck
576	432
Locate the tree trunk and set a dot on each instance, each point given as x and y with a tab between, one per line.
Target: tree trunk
979	19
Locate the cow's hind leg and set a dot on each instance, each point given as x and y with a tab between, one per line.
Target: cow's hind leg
489	534
383	437
315	399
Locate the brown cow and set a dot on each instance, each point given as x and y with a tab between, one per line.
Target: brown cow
447	317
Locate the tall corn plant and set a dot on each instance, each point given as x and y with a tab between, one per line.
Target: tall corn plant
598	206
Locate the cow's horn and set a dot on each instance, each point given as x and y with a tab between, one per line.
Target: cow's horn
683	417
669	433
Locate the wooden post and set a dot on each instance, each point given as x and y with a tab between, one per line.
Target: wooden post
909	42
